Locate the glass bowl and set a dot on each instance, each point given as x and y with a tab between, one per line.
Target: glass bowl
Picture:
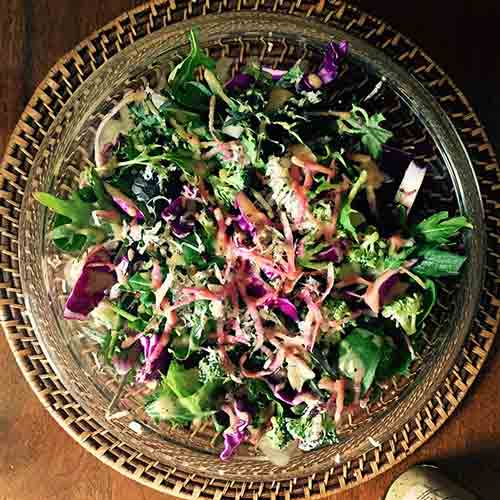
420	127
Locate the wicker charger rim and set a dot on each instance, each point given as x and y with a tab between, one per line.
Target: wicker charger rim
47	102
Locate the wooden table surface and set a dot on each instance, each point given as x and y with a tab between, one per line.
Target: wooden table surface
38	460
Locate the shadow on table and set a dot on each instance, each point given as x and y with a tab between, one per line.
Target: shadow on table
478	471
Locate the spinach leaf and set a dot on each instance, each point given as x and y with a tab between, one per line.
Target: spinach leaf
359	356
438	228
185	71
193	95
436	263
192	257
183	86
394	360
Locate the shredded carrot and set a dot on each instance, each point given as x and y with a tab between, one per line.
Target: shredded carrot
156	278
353	279
320	6
312	166
290	248
222	239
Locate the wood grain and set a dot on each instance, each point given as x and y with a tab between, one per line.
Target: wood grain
38	460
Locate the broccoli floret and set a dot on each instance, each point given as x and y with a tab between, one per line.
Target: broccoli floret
404	312
211	369
312	432
322	211
339	310
229	181
359	256
370	253
279	436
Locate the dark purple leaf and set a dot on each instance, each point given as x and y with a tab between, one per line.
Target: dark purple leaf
256	288
174	209
237	432
175	213
245	225
96	277
182	229
386	287
282	391
334	54
285	306
153	368
269	272
328	69
125	361
336	252
394	161
309	82
240	81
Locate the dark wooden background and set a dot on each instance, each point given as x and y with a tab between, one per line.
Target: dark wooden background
38	460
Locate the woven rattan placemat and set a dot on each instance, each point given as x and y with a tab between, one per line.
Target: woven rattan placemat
62	81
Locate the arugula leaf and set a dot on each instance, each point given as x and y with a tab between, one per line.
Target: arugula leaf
249	143
349	218
109	345
437	263
321	187
192	257
70	238
123	313
319	359
73	229
184	161
217	89
359	356
373	136
154	157
75	209
194	95
438	228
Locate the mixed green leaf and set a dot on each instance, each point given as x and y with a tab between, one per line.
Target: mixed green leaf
232	248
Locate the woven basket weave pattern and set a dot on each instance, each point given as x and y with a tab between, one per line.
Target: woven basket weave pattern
41	114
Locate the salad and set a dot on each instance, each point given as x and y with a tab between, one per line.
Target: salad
247	251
